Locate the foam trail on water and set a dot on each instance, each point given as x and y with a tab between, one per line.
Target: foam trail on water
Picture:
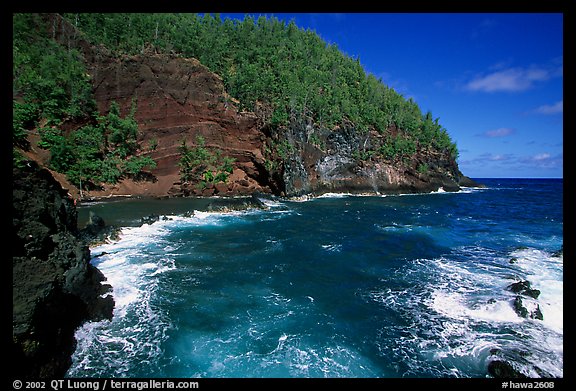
137	326
545	273
465	313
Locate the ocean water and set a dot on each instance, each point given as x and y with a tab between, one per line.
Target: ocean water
335	286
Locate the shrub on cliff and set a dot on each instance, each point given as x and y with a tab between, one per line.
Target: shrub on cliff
104	152
52	87
265	60
201	166
49	81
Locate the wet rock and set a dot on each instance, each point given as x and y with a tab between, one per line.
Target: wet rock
150	219
559	253
503	369
236	203
524	288
537	313
519	307
93	228
96	231
522	310
55	289
514	364
469	182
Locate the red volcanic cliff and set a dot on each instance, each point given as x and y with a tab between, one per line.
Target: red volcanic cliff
180	99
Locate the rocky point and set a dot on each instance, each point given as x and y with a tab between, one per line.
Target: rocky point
55	288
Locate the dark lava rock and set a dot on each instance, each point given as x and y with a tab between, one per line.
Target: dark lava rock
519	307
524	288
537	314
55	288
507	364
150	219
93	227
469	182
522	311
236	204
96	231
503	369
559	253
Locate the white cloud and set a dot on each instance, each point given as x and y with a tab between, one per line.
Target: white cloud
556	108
498	157
509	80
543	161
500	132
510	162
488	157
541	156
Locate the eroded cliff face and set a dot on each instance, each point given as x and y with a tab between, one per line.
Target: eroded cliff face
179	100
55	288
318	160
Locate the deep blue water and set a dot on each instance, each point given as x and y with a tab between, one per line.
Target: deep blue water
336	286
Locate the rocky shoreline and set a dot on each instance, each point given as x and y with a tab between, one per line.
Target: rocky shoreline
55	288
501	362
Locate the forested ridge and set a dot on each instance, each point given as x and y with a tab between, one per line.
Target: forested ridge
50	88
292	72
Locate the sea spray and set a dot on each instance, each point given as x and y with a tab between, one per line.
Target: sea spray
340	286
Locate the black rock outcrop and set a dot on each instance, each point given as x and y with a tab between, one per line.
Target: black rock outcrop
524	288
503	369
513	364
55	288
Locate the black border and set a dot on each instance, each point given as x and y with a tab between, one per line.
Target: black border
566	7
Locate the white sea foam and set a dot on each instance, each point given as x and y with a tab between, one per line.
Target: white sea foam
454	305
271	203
440	190
469	310
394	227
333	247
469	307
292	356
465	189
137	326
335	195
545	273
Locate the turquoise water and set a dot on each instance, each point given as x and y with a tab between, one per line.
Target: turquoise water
335	286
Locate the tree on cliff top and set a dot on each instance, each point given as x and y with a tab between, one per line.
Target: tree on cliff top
104	152
301	77
50	88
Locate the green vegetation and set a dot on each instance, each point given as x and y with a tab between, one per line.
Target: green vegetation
103	152
52	87
200	165
50	81
293	71
423	168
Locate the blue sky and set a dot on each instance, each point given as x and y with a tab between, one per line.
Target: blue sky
494	80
